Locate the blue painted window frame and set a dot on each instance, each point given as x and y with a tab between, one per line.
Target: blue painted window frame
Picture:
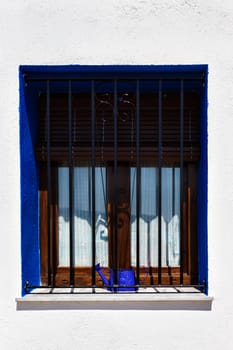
30	236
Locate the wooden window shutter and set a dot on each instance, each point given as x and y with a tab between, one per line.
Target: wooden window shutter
81	127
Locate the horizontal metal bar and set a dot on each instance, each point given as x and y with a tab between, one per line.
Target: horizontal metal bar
197	286
126	292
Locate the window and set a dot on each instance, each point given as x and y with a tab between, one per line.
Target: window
118	159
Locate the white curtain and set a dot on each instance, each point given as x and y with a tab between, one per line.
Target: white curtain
148	220
63	216
82	216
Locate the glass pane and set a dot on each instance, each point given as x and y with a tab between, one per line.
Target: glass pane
170	216
133	219
82	216
148	220
63	216
101	218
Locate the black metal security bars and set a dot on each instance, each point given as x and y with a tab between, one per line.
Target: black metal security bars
116	88
149	289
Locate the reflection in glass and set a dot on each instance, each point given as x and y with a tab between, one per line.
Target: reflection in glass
148	220
82	216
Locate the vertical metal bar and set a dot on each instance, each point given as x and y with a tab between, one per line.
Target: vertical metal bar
173	213
48	122
173	191
181	175
138	183
71	186
160	186
93	197
115	238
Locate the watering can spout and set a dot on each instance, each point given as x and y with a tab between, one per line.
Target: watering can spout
102	275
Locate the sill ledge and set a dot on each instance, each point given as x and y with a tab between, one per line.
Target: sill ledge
108	301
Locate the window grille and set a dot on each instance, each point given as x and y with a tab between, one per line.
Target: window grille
114	127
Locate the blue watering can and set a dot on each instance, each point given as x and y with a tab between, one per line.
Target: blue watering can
125	277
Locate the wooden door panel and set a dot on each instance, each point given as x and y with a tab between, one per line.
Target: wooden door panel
119	209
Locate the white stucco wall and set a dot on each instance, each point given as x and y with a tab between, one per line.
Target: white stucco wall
119	32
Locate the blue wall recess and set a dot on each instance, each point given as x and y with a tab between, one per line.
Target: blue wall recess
29	92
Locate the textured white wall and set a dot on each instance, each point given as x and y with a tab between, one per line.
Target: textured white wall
119	32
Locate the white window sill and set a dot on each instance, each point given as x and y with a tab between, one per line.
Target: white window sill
163	299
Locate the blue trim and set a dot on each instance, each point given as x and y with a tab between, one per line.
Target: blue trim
114	72
30	248
202	195
30	243
201	68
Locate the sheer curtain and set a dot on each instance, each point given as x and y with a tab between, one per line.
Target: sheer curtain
63	216
148	220
82	216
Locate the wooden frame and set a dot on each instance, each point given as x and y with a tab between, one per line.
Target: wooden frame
83	275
